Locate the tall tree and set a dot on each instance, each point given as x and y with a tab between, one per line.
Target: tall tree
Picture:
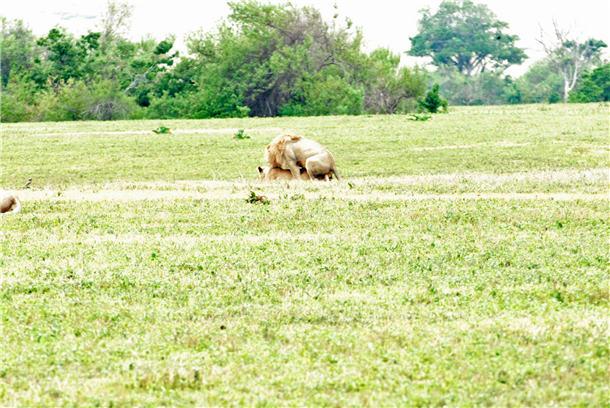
389	85
258	59
570	58
17	48
115	21
467	36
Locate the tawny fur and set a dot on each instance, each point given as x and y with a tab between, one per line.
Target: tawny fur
267	173
10	204
275	173
291	152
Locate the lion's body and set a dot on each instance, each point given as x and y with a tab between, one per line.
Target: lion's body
291	152
10	204
275	173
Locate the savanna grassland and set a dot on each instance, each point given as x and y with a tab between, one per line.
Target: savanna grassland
462	261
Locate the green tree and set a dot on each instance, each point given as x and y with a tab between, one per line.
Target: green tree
64	57
570	58
486	88
433	102
594	86
540	84
18	49
258	60
389	87
324	94
17	102
467	36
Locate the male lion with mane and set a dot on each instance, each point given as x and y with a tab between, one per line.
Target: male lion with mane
291	152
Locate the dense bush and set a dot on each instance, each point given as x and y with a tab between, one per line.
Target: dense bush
331	95
594	86
389	87
17	100
540	84
433	102
264	60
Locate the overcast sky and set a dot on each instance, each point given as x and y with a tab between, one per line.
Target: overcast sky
386	23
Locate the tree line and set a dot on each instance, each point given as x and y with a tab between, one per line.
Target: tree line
283	60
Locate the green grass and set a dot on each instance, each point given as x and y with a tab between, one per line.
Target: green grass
574	136
330	295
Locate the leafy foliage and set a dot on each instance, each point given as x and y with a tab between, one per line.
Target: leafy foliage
433	102
162	130
419	117
594	87
466	36
570	58
254	198
241	135
540	84
264	60
390	87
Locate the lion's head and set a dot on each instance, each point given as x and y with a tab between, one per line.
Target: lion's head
275	150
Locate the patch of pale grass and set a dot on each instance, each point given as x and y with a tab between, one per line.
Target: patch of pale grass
506	144
200	131
601	174
192	240
141	195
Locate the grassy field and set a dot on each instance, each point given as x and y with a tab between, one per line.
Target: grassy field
462	261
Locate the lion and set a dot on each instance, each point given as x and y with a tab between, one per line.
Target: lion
10	204
291	152
267	173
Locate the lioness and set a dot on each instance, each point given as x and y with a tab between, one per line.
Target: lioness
290	152
10	204
267	173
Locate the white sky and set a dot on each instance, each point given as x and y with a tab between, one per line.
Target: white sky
386	23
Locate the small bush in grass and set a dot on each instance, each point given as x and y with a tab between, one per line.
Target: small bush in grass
241	135
420	117
433	102
162	130
254	198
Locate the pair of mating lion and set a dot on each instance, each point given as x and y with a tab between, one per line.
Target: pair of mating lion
292	157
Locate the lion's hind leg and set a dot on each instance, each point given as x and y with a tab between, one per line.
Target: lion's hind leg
316	167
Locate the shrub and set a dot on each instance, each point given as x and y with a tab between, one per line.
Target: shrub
420	117
69	102
325	96
168	107
241	135
74	100
433	102
17	100
594	86
162	130
389	87
108	102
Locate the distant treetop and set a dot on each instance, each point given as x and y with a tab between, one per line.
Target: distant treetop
466	36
